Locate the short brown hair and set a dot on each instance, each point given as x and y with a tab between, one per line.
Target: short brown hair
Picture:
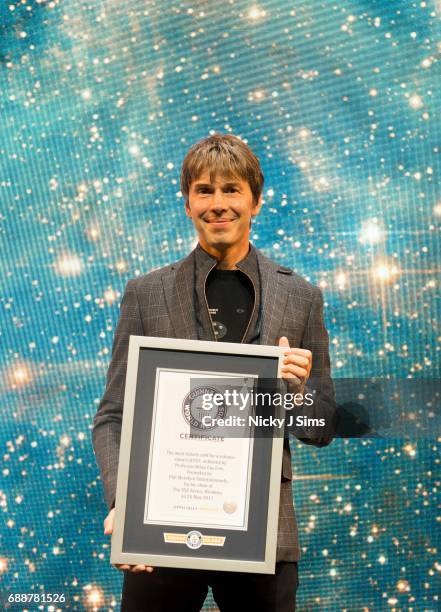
223	154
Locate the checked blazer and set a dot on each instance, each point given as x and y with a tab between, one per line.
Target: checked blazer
161	303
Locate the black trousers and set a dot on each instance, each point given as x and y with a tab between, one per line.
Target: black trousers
184	590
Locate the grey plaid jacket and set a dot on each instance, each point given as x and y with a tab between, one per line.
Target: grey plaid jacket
161	304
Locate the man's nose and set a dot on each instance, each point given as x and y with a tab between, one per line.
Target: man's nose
218	200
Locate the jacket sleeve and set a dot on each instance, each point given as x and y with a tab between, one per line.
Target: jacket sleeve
106	432
319	384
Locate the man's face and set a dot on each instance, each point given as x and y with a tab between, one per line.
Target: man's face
221	210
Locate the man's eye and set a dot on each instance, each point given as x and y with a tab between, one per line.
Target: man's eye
233	189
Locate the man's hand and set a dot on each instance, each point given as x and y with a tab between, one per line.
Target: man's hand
108	529
296	366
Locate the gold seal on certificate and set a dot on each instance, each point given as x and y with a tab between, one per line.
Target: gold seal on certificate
229	507
189	494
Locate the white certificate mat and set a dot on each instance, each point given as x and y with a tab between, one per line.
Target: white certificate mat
194	482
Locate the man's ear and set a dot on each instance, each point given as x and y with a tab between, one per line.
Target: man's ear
257	206
187	209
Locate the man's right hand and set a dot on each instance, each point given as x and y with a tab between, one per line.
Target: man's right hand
108	529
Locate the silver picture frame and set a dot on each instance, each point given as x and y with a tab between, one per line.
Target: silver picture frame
246	547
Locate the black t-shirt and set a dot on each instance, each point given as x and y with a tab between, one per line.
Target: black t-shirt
230	297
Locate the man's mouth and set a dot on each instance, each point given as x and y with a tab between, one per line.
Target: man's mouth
219	221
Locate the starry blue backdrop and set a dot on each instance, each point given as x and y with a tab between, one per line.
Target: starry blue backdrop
100	101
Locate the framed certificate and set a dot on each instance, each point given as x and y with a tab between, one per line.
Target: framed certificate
197	488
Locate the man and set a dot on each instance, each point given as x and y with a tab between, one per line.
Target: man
224	290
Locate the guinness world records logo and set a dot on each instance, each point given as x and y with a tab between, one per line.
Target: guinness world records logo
194	539
193	412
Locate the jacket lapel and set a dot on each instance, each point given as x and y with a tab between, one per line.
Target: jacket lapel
274	298
178	284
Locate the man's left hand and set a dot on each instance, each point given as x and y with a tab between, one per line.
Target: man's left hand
296	366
